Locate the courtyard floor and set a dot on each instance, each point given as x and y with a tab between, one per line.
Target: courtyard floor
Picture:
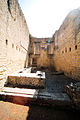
53	84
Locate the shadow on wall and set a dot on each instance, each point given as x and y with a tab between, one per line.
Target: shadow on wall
26	61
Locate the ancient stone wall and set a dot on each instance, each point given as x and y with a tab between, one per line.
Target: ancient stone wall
41	52
67	46
14	38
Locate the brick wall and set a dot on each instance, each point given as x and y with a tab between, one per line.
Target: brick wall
67	46
14	38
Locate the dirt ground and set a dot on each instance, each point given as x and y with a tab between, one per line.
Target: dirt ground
10	111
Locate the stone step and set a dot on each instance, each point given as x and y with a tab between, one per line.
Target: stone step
20	90
23	96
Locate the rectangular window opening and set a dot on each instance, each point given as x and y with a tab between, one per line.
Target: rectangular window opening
69	49
75	47
12	45
62	51
65	49
6	42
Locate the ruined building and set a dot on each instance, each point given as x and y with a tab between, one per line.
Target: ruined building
22	62
18	50
14	38
62	51
41	52
67	46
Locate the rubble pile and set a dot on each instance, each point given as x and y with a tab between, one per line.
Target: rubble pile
73	90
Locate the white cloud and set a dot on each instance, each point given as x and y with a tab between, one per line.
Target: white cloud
45	16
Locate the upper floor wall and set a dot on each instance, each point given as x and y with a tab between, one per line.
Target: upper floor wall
67	45
42	50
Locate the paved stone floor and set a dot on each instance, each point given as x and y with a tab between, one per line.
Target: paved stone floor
56	83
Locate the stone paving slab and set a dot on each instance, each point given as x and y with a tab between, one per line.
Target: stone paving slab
57	83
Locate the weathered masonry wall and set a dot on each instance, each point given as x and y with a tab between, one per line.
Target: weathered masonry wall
67	46
41	52
14	38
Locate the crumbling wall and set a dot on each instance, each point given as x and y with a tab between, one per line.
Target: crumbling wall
14	38
67	46
41	52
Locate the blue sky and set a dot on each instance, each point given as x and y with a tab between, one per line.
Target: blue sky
44	17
